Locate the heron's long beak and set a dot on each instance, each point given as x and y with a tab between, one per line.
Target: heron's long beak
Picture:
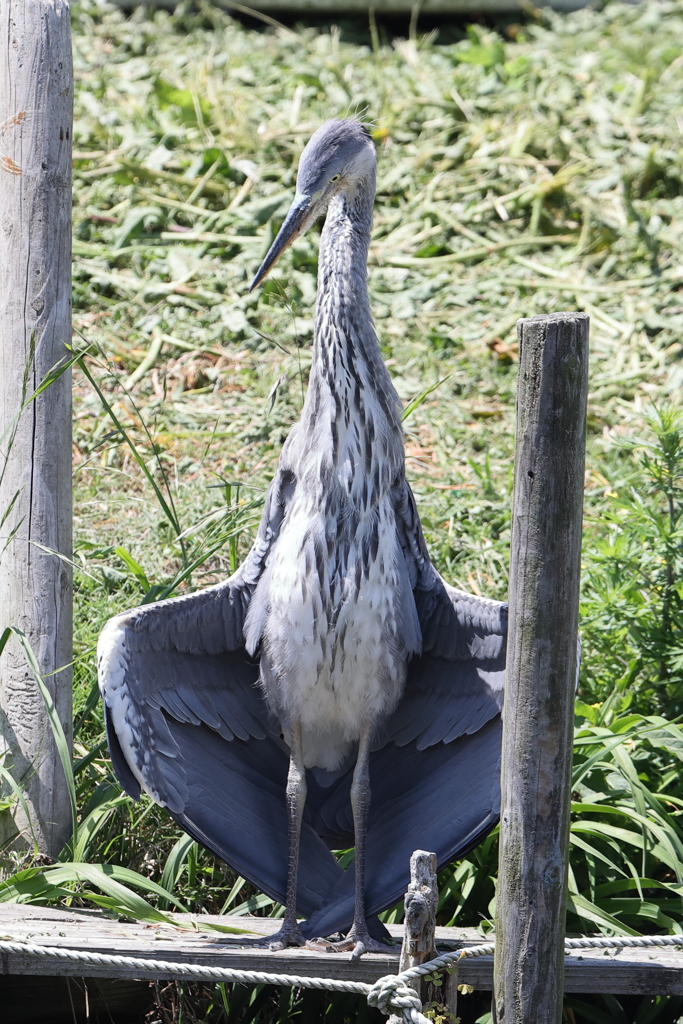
294	224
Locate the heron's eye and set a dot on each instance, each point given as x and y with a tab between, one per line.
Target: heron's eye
335	177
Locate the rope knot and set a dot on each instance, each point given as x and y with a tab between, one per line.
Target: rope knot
390	994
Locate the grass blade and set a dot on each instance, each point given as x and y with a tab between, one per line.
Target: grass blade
416	402
174	865
16	789
169	512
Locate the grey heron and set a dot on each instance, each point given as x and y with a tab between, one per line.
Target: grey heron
260	710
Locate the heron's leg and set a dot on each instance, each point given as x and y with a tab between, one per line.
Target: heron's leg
290	933
359	939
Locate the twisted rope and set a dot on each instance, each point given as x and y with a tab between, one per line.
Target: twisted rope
391	994
602	942
189	972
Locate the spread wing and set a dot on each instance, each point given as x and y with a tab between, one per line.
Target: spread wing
184	660
187	722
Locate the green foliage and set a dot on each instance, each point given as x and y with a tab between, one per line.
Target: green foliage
485	49
632	612
191	106
627	845
626	840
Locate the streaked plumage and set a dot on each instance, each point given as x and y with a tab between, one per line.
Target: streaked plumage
339	615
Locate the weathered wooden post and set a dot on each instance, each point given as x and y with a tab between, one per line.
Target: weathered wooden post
420	905
541	673
419	926
36	101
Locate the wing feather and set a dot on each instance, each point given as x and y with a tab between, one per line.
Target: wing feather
456	685
444	799
237	808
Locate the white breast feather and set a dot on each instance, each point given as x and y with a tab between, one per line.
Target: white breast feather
336	661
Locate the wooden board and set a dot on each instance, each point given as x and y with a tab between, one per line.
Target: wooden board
631	972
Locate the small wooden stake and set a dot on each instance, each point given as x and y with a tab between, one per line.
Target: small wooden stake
36	100
420	904
541	668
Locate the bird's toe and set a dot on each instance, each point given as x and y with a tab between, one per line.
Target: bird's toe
289	935
356	943
366	944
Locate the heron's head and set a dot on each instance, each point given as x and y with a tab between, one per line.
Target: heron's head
338	156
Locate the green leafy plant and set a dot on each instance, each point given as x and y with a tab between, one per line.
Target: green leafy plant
632	612
626	844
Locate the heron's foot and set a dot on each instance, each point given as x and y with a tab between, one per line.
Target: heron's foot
357	942
289	935
364	943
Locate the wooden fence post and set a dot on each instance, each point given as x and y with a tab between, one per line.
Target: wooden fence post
36	113
541	668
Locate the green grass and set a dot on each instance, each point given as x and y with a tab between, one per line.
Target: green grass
520	172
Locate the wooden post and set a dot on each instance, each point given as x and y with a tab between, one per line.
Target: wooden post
36	103
541	668
420	904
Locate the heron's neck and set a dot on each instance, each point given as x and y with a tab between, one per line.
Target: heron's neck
348	372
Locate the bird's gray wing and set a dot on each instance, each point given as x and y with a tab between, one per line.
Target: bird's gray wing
456	685
435	766
178	658
187	723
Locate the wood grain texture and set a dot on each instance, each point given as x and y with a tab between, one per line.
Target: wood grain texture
630	972
419	936
541	667
36	101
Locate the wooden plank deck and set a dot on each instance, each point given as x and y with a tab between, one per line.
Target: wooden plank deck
629	971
